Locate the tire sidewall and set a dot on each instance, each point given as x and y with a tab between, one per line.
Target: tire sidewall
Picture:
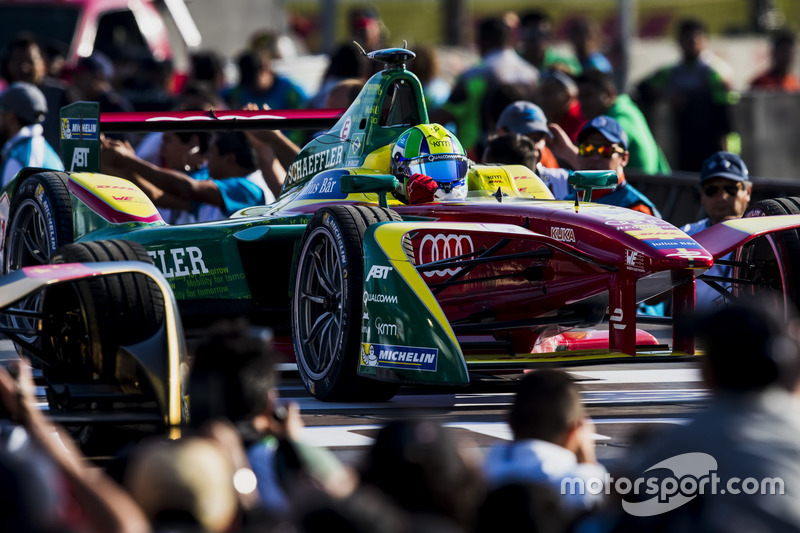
36	190
331	381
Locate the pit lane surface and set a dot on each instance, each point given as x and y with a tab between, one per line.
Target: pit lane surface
624	400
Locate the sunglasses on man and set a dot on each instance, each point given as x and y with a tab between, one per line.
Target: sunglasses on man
712	190
606	151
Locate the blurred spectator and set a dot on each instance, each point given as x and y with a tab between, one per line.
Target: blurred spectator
347	62
747	432
233	378
603	145
535	34
598	96
195	96
558	97
186	485
24	61
725	189
423	469
500	65
233	180
23	109
365	511
497	99
699	95
86	499
206	67
145	82
553	439
92	78
528	119
426	67
259	84
522	507
366	28
779	76
343	94
586	40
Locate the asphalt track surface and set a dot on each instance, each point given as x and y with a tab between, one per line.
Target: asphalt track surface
624	401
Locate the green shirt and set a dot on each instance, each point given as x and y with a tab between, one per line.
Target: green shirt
645	154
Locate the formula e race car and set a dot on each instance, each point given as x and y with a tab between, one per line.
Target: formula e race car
491	275
107	337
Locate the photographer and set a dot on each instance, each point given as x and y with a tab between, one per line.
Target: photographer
76	496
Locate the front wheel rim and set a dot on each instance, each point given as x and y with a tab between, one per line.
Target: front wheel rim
318	299
29	242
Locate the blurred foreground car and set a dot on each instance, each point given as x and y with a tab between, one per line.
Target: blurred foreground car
107	337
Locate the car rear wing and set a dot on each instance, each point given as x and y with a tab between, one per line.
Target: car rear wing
82	124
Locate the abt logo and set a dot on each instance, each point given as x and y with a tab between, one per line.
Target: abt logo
378	272
80	158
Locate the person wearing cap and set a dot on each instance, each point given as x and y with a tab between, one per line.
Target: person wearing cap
747	430
603	145
527	119
598	95
22	110
725	189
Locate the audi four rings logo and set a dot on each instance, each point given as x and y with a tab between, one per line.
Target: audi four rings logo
440	247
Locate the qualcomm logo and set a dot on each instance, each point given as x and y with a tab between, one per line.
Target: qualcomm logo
440	247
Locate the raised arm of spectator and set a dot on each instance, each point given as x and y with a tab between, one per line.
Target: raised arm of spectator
179	187
272	168
106	506
562	147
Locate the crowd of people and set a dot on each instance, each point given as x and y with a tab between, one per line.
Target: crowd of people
243	464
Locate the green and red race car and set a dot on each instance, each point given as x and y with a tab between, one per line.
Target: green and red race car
374	292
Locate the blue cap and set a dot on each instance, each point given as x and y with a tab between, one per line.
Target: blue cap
724	165
608	128
523	117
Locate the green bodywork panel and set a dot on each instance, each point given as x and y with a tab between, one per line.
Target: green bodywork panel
399	305
390	103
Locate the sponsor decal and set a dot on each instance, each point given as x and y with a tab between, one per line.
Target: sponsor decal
80	158
672	244
562	234
390	356
345	133
634	260
314	163
440	143
81	129
385	328
660	234
364	323
355	143
48	214
328	219
444	246
616	319
179	262
687	254
379	298
378	272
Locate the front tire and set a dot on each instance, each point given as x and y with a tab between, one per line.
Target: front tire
327	306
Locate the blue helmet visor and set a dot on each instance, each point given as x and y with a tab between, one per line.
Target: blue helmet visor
443	168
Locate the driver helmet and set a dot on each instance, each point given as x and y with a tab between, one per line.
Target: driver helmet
431	150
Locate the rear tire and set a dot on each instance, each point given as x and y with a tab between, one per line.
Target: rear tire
772	261
327	304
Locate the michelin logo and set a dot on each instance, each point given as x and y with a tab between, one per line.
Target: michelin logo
388	356
83	129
